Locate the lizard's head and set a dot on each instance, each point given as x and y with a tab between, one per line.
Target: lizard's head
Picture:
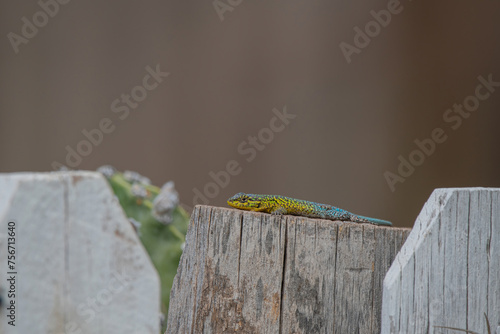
245	202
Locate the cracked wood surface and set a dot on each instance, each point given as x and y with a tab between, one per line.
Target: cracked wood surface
248	272
80	266
448	271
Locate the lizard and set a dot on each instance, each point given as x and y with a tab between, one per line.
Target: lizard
282	205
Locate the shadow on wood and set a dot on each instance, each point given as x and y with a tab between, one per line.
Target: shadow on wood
448	271
251	272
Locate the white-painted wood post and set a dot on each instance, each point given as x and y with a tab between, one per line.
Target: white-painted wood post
79	265
447	274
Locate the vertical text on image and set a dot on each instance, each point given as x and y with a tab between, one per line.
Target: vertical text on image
11	273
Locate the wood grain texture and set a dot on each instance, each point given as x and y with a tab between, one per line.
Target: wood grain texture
80	266
448	271
248	272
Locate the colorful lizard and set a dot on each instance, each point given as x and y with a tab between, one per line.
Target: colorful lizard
281	205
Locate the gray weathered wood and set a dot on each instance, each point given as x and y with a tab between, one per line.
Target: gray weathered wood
448	271
80	266
250	272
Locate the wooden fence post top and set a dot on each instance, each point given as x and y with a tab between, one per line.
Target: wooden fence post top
78	265
447	273
251	272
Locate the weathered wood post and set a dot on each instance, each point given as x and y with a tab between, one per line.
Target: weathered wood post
447	274
247	272
70	261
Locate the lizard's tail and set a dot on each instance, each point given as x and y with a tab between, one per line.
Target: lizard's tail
363	219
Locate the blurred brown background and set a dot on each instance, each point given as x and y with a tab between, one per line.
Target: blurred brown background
232	62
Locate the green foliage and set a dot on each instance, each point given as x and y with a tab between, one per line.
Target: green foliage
163	241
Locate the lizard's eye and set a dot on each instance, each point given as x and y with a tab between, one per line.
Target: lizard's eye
243	199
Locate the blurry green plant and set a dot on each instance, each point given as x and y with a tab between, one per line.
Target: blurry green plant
160	222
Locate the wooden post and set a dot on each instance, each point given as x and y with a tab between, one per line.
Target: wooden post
247	272
76	263
448	271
